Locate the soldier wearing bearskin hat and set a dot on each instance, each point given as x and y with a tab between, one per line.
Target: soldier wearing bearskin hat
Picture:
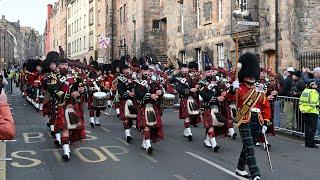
253	112
49	82
149	93
128	104
68	124
185	84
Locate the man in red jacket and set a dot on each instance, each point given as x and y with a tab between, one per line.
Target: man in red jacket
253	112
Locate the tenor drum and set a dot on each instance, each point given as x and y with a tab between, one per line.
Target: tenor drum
168	99
99	100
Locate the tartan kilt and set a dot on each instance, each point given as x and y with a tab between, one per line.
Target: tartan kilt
122	108
207	123
226	112
46	109
78	134
59	123
183	111
156	131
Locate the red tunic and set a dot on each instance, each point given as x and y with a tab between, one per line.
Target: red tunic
262	104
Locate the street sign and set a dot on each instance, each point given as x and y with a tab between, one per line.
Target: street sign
248	23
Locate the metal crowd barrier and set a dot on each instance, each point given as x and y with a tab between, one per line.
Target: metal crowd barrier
287	116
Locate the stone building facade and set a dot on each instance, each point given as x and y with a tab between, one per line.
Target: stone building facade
11	32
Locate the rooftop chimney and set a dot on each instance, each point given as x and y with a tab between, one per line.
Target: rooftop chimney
3	17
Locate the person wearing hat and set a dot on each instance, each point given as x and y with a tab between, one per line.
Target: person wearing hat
149	94
254	112
49	84
186	86
287	83
309	106
128	104
298	85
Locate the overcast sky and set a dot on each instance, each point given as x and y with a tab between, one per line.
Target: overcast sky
30	12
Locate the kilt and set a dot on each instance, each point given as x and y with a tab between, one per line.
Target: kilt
90	101
226	112
207	123
60	123
183	111
156	131
122	108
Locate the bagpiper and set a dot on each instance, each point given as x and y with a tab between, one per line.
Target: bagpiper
128	104
185	83
49	81
69	122
149	93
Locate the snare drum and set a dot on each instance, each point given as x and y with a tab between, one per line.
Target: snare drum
99	100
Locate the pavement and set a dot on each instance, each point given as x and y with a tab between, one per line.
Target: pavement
106	155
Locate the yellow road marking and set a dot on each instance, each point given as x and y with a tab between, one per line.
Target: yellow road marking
35	162
96	151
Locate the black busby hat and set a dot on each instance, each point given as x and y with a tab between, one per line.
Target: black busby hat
184	66
249	66
193	65
144	67
95	64
64	61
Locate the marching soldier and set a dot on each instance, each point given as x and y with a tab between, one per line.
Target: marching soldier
253	112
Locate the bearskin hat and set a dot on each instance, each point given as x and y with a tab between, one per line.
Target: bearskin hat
249	66
52	57
193	65
144	67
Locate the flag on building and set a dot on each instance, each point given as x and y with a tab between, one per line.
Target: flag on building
104	42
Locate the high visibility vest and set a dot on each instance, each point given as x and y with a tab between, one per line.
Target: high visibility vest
309	101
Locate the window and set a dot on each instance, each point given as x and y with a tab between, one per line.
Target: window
69	30
124	13
181	29
199	59
91	17
243	5
220	10
121	15
84	21
80	24
198	10
220	50
134	32
207	12
84	42
78	45
183	57
69	12
72	28
155	25
69	49
91	40
98	17
80	48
